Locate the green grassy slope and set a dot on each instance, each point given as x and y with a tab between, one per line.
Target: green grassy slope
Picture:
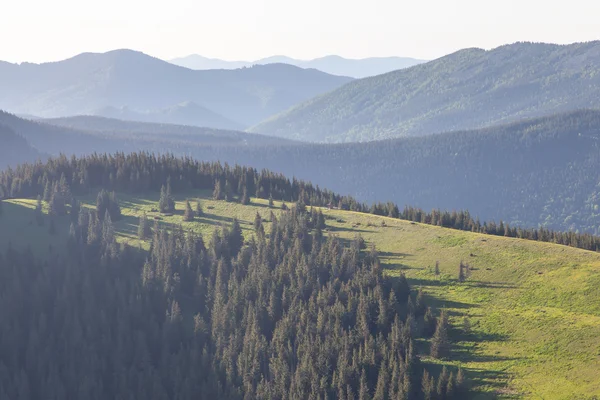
534	308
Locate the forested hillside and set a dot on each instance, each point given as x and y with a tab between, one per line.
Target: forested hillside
186	113
471	88
541	171
89	82
89	134
291	313
240	296
14	149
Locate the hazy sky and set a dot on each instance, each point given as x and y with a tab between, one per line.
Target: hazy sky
44	30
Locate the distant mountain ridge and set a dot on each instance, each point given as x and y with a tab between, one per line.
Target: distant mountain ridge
469	89
186	113
332	64
125	78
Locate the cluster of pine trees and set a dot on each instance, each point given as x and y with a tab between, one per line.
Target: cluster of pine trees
143	172
289	315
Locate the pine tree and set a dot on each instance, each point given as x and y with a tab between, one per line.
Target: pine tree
450	387
47	192
199	211
381	391
113	207
228	191
258	225
428	386
236	238
363	391
440	344
429	323
144	230
188	215
166	203
217	192
38	213
461	272
245	200
466	325
442	383
460	387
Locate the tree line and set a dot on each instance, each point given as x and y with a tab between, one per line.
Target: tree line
144	172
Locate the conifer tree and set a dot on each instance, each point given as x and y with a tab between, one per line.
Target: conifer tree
47	192
442	383
245	199
38	213
429	323
271	203
460	387
440	344
166	203
461	272
217	192
199	211
188	214
228	191
428	386
144	230
236	238
363	391
381	390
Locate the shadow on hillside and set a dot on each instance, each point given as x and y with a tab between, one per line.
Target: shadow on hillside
344	229
496	380
392	254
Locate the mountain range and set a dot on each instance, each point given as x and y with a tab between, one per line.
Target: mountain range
152	89
332	64
471	88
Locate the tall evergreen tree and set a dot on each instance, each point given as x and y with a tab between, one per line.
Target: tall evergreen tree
188	214
199	211
218	192
144	230
440	344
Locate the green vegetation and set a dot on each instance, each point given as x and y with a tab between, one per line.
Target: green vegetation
533	309
469	89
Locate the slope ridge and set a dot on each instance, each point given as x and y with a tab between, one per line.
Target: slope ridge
468	89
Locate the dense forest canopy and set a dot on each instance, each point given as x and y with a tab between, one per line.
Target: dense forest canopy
471	88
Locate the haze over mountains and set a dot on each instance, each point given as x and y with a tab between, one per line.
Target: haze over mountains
89	82
471	88
332	64
538	172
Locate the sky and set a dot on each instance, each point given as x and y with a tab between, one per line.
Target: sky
42	30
